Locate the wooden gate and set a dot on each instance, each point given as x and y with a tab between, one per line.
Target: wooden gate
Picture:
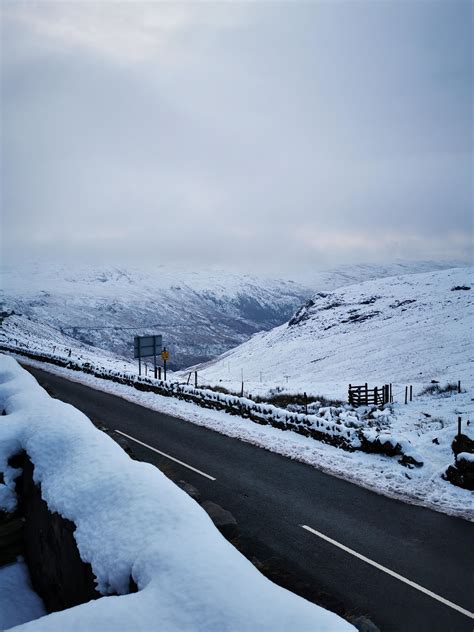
364	396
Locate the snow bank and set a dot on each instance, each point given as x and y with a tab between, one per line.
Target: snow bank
18	601
132	521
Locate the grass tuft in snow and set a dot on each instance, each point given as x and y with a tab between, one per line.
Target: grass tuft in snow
437	389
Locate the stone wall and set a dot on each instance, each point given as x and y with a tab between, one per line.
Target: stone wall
57	572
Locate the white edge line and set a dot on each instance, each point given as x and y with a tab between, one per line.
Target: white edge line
446	602
211	478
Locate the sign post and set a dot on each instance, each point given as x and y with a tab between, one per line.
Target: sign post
139	357
164	356
145	347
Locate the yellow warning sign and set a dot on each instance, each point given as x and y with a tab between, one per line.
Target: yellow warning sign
165	355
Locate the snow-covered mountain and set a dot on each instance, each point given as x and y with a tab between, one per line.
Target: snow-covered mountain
410	328
358	273
200	314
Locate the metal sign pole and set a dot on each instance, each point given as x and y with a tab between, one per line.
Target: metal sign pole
154	354
139	358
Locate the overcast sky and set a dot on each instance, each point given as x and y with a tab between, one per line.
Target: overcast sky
272	136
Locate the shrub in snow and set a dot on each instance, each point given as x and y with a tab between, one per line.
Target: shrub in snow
462	472
436	389
462	443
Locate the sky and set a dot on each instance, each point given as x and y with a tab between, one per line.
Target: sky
268	136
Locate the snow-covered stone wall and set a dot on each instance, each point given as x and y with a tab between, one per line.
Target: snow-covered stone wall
57	572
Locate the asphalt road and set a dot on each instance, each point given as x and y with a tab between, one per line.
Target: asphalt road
426	582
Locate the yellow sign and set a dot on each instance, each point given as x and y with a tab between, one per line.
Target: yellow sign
165	355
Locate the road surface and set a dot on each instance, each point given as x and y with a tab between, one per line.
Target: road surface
356	552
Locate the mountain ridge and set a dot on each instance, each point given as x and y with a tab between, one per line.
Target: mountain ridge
201	313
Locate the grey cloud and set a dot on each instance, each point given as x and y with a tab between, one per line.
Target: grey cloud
265	135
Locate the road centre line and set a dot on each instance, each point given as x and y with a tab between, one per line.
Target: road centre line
431	594
167	456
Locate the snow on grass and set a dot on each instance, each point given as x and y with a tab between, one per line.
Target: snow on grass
18	601
423	486
134	522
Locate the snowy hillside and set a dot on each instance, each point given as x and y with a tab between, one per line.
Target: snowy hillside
411	328
358	273
23	333
200	314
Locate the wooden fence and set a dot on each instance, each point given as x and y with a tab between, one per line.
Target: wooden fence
364	396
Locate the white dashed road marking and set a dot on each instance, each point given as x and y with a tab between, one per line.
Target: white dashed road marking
431	594
167	456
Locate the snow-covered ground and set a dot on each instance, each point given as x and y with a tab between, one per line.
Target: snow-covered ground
131	521
27	334
18	601
423	486
401	330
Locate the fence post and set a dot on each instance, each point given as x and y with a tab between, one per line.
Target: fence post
376	396
350	394
159	372
305	404
242	389
459	386
195	379
459	426
391	395
411	392
189	377
366	395
406	394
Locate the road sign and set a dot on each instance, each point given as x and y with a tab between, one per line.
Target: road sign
165	355
146	346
